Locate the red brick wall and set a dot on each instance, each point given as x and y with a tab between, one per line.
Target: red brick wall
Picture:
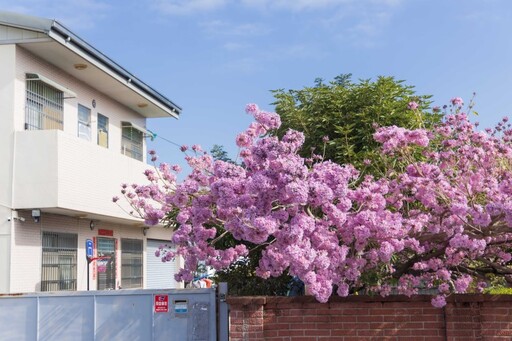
360	318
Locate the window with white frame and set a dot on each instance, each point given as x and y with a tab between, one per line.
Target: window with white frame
59	261
102	131
84	122
132	142
44	105
131	263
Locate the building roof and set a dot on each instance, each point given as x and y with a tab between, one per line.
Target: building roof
64	49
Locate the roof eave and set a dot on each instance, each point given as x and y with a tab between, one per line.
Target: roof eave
61	34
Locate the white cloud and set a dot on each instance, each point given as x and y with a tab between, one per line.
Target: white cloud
294	5
187	6
300	5
233	46
182	7
75	15
259	60
246	65
218	27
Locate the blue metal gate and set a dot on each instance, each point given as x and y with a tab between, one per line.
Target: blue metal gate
173	314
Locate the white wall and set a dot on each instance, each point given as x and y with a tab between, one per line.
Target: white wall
55	169
7	74
5	248
116	112
27	248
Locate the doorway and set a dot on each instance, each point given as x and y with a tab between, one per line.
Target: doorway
106	265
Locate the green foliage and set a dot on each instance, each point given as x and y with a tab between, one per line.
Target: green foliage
348	113
499	291
242	280
218	153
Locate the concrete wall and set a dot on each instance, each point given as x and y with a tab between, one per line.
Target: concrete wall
28	63
7	86
58	170
362	318
27	247
71	179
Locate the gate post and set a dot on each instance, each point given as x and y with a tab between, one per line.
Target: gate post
223	312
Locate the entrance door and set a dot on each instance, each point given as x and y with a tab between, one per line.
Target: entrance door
106	266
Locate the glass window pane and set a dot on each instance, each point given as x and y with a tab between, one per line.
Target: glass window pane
102	131
84	122
132	143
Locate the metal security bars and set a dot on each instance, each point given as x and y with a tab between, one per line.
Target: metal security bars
131	263
132	143
44	105
59	261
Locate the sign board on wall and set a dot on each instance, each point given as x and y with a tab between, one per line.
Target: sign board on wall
89	248
161	303
104	232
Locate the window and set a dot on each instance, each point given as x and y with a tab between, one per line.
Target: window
106	265
59	261
132	143
102	131
44	105
84	122
131	263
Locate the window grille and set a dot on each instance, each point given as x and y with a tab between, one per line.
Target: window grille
59	261
44	106
102	131
132	143
131	263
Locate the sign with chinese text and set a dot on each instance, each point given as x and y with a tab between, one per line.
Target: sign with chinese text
161	303
103	232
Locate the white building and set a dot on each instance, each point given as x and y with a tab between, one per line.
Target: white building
72	131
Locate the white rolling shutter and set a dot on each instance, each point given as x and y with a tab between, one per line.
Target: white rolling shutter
159	275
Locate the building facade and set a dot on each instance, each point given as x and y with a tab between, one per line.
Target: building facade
73	129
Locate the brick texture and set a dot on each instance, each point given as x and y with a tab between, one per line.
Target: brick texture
397	318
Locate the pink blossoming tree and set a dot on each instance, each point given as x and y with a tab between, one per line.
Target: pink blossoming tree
439	217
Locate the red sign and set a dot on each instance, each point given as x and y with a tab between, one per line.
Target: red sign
103	232
161	303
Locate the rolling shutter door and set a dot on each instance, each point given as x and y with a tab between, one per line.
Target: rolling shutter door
160	275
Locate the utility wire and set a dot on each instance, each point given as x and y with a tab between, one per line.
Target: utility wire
166	140
169	141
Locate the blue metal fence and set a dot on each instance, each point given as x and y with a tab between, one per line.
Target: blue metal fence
173	314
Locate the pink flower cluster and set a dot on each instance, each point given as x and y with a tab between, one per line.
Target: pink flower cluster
394	137
439	221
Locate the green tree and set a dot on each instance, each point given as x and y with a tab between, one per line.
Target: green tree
348	113
219	153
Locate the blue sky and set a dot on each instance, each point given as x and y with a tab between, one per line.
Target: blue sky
214	56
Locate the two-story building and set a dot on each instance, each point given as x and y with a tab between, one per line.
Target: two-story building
72	130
